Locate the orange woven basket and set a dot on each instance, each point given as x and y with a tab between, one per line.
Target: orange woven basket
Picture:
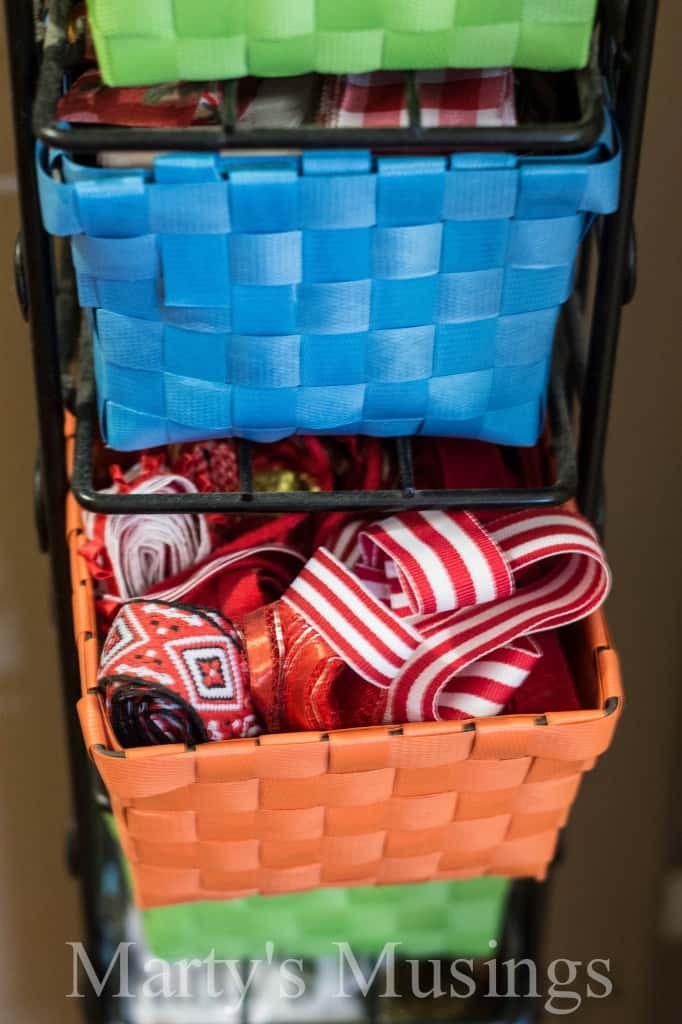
290	812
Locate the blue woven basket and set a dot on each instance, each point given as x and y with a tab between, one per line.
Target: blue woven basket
327	293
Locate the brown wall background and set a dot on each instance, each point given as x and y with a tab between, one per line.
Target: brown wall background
607	900
606	896
38	906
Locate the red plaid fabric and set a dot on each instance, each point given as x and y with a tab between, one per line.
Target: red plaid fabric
172	105
466	98
447	98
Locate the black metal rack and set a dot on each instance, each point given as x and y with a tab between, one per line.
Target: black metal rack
623	59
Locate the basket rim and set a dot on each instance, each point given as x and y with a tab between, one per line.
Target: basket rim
598	639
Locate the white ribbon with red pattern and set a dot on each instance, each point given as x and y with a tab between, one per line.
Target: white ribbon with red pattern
143	550
439	610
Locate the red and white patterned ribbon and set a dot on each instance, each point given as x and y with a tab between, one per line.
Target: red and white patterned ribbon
439	610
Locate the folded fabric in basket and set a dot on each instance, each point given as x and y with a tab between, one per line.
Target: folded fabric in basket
261	103
447	98
173	105
433	621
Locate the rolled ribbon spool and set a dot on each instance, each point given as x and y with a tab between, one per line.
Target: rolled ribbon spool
171	673
133	553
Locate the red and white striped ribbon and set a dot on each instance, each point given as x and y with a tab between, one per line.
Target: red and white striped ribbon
485	687
439	610
357	625
436	562
346	546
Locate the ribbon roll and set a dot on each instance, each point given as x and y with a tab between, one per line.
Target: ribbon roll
175	674
439	610
133	553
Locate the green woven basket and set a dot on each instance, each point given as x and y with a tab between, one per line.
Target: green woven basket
432	919
141	42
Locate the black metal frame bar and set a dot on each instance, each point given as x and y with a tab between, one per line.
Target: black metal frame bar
616	277
628	69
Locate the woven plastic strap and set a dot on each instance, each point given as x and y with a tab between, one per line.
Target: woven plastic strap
164	40
462	917
210	195
438	609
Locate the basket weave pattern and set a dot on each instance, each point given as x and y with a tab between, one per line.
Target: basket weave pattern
164	40
327	293
461	917
287	813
